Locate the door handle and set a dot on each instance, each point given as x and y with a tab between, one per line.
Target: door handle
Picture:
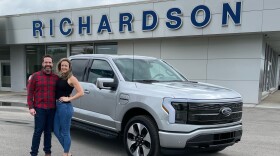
86	91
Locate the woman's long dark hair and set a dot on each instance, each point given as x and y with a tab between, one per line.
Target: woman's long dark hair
66	75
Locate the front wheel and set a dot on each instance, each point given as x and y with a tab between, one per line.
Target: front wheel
141	137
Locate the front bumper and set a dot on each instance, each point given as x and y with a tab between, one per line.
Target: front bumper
202	138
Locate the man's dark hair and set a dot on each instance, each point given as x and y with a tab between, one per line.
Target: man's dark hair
49	56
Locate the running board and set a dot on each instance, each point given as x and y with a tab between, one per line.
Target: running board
100	131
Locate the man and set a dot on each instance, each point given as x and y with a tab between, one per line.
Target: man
41	102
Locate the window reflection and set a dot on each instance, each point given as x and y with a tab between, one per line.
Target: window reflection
35	53
270	69
81	49
34	56
57	52
109	48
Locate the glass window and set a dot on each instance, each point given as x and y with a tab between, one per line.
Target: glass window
79	67
100	69
6	69
270	69
57	52
109	48
34	56
5	74
5	66
81	49
4	53
147	70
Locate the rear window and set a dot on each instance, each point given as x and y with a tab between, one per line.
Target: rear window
79	67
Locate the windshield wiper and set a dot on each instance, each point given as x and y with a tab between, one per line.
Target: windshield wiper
173	81
192	81
146	81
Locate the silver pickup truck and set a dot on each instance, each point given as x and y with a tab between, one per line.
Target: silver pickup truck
153	107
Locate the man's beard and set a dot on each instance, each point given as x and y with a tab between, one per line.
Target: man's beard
48	69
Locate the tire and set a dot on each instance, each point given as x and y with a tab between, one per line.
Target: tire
144	142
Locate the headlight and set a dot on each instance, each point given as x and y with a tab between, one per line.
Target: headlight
176	108
181	112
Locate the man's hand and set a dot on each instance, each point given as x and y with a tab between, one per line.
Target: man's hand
32	111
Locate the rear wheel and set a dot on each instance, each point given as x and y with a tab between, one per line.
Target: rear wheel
141	137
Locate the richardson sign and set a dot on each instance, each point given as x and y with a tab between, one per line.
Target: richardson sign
174	21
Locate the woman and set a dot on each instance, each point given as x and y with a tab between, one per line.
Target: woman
64	110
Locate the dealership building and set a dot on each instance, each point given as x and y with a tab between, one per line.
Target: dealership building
235	44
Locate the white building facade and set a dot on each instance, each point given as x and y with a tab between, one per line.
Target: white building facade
235	44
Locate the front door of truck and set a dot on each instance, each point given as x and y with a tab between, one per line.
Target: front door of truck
99	105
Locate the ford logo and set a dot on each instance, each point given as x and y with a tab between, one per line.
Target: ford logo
226	111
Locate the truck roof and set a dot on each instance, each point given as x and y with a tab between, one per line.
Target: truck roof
110	56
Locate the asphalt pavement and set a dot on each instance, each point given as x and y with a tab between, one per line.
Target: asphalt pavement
261	132
16	130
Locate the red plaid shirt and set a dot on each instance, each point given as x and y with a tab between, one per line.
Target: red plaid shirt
41	90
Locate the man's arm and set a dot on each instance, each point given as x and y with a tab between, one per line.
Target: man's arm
30	91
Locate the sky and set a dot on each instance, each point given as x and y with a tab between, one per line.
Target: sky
12	7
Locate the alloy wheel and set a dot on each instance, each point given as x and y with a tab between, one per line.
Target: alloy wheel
138	140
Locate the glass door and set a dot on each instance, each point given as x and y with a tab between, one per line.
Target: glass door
5	78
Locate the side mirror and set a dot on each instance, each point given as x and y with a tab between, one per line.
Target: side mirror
106	83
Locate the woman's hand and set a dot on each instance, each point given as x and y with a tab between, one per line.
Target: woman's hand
64	99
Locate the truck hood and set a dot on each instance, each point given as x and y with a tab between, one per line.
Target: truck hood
188	89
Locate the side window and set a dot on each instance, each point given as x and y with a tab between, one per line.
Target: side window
78	68
100	69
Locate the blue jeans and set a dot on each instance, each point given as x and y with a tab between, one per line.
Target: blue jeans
62	124
43	123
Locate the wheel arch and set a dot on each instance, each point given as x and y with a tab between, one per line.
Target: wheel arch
135	112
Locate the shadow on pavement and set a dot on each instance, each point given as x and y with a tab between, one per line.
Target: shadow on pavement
116	146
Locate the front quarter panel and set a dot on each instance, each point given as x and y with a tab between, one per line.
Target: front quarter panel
150	103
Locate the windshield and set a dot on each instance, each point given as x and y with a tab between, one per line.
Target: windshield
147	70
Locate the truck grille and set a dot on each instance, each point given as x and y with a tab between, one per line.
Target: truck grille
214	113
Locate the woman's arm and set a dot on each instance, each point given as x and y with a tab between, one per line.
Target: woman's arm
79	90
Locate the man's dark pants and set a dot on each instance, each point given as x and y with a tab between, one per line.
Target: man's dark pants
43	123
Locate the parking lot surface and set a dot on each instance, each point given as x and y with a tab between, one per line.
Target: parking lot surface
260	136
